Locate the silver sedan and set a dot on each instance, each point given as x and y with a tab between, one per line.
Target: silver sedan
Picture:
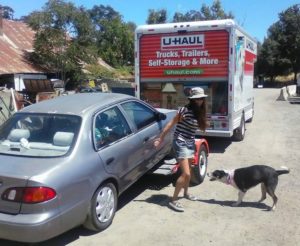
64	162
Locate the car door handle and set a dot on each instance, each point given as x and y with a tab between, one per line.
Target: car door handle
110	160
146	139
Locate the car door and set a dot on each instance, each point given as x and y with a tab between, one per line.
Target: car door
118	147
148	127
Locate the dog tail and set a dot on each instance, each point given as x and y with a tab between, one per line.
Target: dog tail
284	170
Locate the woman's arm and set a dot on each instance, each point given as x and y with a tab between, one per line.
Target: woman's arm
167	128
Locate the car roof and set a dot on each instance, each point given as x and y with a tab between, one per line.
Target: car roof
76	104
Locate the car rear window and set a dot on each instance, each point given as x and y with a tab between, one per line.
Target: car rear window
39	135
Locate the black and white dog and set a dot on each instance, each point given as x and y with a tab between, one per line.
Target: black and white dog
245	178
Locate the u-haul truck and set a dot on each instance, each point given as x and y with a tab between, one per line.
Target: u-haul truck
216	55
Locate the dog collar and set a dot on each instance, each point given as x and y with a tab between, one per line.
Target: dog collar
230	178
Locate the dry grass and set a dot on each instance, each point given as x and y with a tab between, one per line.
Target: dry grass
286	78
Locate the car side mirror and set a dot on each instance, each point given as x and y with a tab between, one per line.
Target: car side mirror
161	116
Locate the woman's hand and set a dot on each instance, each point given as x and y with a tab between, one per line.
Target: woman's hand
169	125
157	142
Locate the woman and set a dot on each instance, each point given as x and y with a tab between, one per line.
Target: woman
188	119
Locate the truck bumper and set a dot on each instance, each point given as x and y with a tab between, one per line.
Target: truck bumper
214	133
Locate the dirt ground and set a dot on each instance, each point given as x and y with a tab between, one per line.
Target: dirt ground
143	217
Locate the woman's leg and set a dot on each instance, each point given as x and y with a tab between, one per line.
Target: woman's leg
184	179
187	184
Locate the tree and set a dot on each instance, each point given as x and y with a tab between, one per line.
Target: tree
286	32
217	12
193	15
63	38
269	62
7	12
116	43
214	12
156	17
101	12
114	38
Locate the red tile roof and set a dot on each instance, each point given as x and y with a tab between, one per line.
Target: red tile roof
16	39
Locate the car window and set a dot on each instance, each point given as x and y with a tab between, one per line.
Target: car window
139	114
110	126
39	135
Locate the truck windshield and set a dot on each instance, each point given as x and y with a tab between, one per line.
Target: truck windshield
160	95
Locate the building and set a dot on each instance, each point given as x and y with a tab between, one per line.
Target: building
16	43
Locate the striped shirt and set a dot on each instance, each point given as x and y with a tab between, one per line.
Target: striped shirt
186	128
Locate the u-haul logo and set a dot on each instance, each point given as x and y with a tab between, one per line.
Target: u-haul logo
179	42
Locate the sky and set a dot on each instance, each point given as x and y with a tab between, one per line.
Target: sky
255	16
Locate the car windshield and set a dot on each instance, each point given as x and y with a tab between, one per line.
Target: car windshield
39	135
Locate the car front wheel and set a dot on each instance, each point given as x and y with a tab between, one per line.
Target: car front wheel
102	209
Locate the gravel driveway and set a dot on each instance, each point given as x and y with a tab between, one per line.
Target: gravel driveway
273	138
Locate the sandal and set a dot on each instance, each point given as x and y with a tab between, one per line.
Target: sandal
176	206
191	197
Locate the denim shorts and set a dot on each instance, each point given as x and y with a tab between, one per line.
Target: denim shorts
183	150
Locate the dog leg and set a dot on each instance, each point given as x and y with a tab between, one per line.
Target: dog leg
271	187
240	199
263	192
274	197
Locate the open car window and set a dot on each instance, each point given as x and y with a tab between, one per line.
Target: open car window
39	135
110	126
140	114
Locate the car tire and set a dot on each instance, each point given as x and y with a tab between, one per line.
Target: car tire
198	172
239	133
102	208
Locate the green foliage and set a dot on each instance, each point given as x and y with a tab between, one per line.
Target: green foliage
115	43
287	34
214	12
269	62
280	52
156	17
125	71
179	17
96	71
114	38
217	12
101	12
7	12
68	37
63	37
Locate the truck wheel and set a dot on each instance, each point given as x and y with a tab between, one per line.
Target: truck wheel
198	171
102	208
239	133
251	119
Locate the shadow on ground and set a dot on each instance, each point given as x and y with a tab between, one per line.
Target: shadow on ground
218	145
258	205
148	182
